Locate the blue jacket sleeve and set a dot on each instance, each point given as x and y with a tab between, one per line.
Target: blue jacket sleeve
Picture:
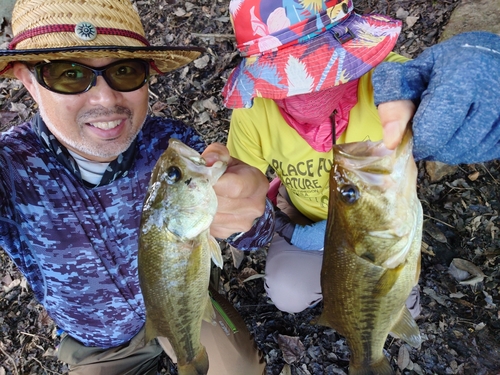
305	237
456	86
310	237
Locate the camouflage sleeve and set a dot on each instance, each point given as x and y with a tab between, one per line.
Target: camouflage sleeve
174	129
7	224
259	235
194	140
4	202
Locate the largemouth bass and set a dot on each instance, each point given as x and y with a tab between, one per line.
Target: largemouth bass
175	248
371	257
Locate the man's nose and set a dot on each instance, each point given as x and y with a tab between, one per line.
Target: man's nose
102	92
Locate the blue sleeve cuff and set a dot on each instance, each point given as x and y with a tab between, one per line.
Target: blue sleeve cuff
310	237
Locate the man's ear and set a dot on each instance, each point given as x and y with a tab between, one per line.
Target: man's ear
23	74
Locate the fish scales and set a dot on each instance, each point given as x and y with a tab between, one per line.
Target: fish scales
371	258
175	252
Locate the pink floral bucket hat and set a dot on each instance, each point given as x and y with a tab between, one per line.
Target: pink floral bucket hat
292	47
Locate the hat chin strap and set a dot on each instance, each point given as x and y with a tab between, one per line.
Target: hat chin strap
7	67
48	29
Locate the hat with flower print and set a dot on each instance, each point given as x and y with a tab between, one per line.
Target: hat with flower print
292	47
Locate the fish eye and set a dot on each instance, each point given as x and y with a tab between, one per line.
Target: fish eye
349	193
174	174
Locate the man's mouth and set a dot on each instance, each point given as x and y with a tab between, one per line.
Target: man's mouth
106	125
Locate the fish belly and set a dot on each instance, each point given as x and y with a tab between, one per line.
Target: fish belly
174	280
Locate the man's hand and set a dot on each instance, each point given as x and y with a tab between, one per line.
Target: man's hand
395	117
241	193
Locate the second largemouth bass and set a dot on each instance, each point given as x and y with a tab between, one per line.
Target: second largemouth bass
372	250
175	248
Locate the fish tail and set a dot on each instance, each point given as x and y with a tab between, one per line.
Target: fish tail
382	367
198	366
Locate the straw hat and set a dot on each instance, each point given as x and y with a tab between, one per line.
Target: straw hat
303	46
69	29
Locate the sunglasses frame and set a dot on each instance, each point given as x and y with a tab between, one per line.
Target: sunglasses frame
37	71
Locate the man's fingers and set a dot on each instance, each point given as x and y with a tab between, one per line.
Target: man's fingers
216	152
241	193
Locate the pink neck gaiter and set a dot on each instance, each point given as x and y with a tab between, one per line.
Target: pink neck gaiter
309	114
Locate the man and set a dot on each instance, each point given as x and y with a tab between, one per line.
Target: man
73	180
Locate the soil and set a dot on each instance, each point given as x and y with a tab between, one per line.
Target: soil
459	324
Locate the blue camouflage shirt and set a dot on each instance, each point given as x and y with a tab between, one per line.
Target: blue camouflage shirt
76	245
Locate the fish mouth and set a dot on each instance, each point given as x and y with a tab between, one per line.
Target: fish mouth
186	152
195	162
372	161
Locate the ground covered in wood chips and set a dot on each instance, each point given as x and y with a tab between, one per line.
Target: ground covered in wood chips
459	323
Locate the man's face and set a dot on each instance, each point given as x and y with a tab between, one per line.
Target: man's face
98	124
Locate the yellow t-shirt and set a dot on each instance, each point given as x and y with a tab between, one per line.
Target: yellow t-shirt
260	137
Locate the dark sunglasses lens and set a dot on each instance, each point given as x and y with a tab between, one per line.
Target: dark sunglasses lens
128	75
66	77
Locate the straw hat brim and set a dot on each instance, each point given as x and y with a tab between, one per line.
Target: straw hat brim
164	58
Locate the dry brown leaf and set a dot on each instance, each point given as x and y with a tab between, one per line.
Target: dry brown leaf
14	283
426	249
202	62
237	255
210	104
473	176
158	107
286	370
435	232
462	269
403	357
402	14
22	110
246	273
291	347
438	298
479	326
7	116
203	118
411	21
7	279
179	12
492	228
254	277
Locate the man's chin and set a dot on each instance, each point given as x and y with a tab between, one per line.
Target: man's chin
103	153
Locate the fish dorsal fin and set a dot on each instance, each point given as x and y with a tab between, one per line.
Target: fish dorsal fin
215	251
209	312
406	329
387	280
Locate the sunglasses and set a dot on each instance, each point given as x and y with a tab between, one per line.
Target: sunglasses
68	77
